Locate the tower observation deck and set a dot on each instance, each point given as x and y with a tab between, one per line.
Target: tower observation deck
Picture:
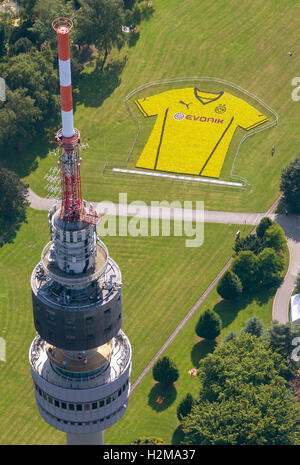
80	358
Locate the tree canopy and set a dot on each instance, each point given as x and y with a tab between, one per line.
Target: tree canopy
270	266
13	204
209	325
245	265
99	22
274	237
243	398
165	371
230	286
290	185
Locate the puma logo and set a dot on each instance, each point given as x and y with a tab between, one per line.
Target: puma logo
186	104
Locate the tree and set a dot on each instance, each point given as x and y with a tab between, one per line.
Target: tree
251	242
99	22
254	326
274	237
18	118
165	371
34	73
297	287
22	45
13	204
280	336
230	286
185	406
44	12
243	398
128	4
245	265
230	335
264	224
209	325
270	266
290	185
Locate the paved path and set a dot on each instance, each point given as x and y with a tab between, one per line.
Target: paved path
291	227
143	211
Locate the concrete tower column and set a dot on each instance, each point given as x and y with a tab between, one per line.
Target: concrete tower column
95	439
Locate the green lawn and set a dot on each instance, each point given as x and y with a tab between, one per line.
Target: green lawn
162	279
144	416
244	43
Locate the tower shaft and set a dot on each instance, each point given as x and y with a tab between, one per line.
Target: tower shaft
80	359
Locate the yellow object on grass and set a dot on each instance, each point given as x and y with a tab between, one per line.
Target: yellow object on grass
193	129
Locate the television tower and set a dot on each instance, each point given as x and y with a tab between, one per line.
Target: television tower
80	358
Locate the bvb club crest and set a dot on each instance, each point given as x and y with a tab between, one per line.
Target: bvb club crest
220	108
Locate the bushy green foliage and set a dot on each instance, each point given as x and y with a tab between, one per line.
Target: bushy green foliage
13	204
263	225
254	326
243	398
99	22
230	335
290	185
251	242
165	371
245	266
280	336
209	325
270	266
230	286
274	237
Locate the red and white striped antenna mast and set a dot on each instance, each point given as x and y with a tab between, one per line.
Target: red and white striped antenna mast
72	208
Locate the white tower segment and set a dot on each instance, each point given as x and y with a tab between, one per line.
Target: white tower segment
80	359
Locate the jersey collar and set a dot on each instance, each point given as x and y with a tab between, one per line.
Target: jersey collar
198	97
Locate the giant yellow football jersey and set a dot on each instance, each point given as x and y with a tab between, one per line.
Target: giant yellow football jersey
193	129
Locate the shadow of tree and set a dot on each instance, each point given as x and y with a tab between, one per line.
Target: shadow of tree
178	436
200	350
169	394
24	161
96	86
228	310
10	233
133	38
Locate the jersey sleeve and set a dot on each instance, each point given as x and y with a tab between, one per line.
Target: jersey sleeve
249	117
151	106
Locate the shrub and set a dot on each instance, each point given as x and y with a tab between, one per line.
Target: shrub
290	185
274	237
209	325
230	286
245	265
254	326
270	266
165	371
264	224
